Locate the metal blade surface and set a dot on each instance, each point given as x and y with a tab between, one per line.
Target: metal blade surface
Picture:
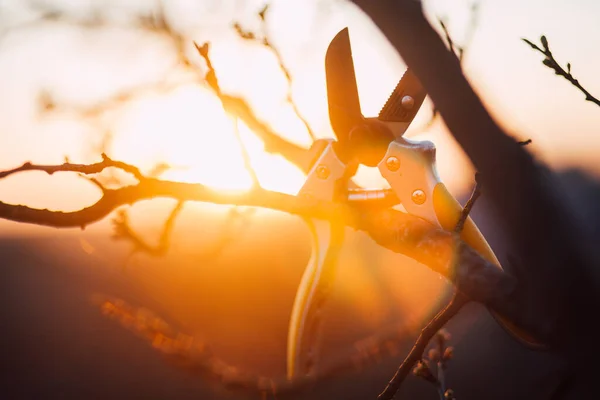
405	101
342	90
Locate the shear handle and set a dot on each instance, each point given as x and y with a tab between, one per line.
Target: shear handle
324	181
409	168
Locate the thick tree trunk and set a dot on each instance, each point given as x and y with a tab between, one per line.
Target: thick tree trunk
554	274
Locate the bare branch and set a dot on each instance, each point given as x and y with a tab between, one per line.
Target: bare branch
245	155
95	181
286	71
563	299
398	231
157	22
550	62
471	29
123	231
154	22
234	106
416	354
525	142
456	50
159	169
469	206
238	107
457	302
86	169
193	354
451	47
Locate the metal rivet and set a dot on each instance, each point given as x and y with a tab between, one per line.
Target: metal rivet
393	164
418	197
322	172
408	102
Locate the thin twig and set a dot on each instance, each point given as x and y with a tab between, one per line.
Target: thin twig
157	22
525	142
234	106
471	29
95	181
550	62
245	155
265	41
457	51
469	206
124	231
416	354
194	354
238	107
451	47
457	302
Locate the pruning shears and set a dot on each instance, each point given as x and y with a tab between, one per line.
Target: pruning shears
408	166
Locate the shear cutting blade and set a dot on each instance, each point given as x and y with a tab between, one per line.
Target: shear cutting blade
342	91
405	101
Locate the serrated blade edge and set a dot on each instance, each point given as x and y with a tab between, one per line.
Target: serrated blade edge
394	109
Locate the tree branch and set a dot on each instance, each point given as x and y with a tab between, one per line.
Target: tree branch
286	71
417	237
469	206
157	22
451	46
456	50
456	303
196	355
124	231
246	157
398	231
551	63
556	289
234	106
87	169
238	107
416	354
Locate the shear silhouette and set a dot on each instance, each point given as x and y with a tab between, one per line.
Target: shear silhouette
409	168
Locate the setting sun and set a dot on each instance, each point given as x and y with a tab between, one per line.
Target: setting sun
188	129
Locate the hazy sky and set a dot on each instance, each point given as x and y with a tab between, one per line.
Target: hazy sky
82	65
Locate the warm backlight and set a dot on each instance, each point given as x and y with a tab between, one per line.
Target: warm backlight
189	130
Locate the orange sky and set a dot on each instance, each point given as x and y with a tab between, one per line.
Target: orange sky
187	128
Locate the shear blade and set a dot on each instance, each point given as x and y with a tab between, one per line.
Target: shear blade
342	90
405	101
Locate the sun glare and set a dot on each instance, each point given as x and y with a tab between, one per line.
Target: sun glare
189	130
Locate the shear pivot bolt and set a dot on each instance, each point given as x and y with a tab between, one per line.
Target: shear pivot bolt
322	172
418	197
408	102
393	163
